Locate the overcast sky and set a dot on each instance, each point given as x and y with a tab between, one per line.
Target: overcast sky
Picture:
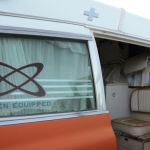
140	7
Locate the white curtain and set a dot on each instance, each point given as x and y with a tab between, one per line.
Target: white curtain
66	76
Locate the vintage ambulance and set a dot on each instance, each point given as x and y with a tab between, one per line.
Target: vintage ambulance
74	75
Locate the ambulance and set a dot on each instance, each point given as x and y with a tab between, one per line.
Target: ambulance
74	75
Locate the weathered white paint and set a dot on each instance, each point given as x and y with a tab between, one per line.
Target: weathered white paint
65	10
110	18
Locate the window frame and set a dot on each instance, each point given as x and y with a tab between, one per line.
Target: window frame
56	34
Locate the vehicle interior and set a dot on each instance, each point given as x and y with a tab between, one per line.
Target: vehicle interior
126	75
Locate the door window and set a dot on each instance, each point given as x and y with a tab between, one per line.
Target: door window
44	76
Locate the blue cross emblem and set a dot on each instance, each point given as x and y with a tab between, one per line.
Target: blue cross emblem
91	14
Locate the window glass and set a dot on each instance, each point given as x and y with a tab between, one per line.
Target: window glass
44	76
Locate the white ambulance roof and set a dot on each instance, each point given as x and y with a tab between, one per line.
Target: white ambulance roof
73	12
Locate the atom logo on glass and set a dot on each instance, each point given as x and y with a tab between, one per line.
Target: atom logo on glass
39	67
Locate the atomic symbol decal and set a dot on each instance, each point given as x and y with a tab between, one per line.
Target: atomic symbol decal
38	66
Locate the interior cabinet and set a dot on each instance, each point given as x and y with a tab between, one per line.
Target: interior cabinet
118	100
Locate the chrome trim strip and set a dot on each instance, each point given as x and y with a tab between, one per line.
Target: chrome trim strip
19	15
97	75
58	92
118	36
39	99
44	33
67	86
55	80
39	118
